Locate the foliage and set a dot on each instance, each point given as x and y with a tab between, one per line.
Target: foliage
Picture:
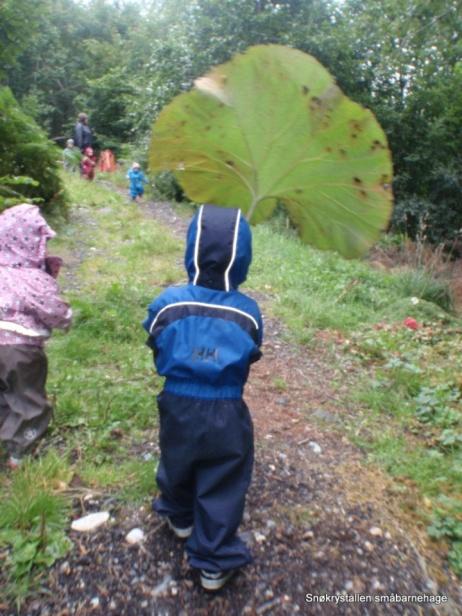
315	290
423	285
124	61
27	159
33	517
447	523
241	139
412	418
75	53
15	31
168	187
12	196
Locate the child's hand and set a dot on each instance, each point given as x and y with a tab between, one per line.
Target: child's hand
53	265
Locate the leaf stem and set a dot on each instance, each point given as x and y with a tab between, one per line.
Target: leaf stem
253	205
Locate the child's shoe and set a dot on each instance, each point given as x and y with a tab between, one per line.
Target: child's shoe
215	581
181	533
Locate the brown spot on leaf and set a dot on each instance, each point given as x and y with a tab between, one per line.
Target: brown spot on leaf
299	191
377	145
230	163
305	89
343	153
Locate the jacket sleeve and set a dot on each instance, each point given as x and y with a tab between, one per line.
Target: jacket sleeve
153	310
258	354
53	313
78	135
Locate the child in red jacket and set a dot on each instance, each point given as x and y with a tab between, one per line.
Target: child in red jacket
88	164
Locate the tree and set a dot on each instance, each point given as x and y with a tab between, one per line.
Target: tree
26	152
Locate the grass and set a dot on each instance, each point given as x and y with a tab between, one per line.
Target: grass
409	418
311	289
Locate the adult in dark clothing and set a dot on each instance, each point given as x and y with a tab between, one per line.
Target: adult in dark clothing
82	133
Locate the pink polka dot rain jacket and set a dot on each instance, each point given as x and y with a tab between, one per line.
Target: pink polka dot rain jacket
30	306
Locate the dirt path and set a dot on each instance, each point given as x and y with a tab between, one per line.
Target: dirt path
319	521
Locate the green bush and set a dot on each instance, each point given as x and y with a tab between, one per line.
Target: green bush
27	155
168	187
424	285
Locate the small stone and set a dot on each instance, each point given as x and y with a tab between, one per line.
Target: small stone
271	467
325	416
270	524
94	602
247	536
112	605
90	522
387	535
136	535
375	531
315	447
259	537
161	588
65	568
348	585
269	594
174	591
369	547
308	535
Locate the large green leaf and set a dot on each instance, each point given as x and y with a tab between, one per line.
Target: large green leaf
272	125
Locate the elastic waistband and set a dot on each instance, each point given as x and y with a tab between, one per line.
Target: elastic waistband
192	389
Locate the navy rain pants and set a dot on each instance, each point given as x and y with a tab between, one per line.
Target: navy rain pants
203	475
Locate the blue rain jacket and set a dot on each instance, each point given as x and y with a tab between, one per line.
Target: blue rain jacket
206	334
137	182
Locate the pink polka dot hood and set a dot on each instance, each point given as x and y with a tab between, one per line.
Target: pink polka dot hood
30	306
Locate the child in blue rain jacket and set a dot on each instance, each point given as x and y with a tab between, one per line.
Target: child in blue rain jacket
205	335
137	182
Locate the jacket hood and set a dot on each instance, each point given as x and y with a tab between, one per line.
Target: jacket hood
218	248
23	237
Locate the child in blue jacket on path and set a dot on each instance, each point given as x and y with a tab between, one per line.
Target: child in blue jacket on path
137	182
205	335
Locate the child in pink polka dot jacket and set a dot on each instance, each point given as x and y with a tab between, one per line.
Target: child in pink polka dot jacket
30	307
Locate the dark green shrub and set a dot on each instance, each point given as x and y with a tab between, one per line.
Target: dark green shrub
26	152
168	186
